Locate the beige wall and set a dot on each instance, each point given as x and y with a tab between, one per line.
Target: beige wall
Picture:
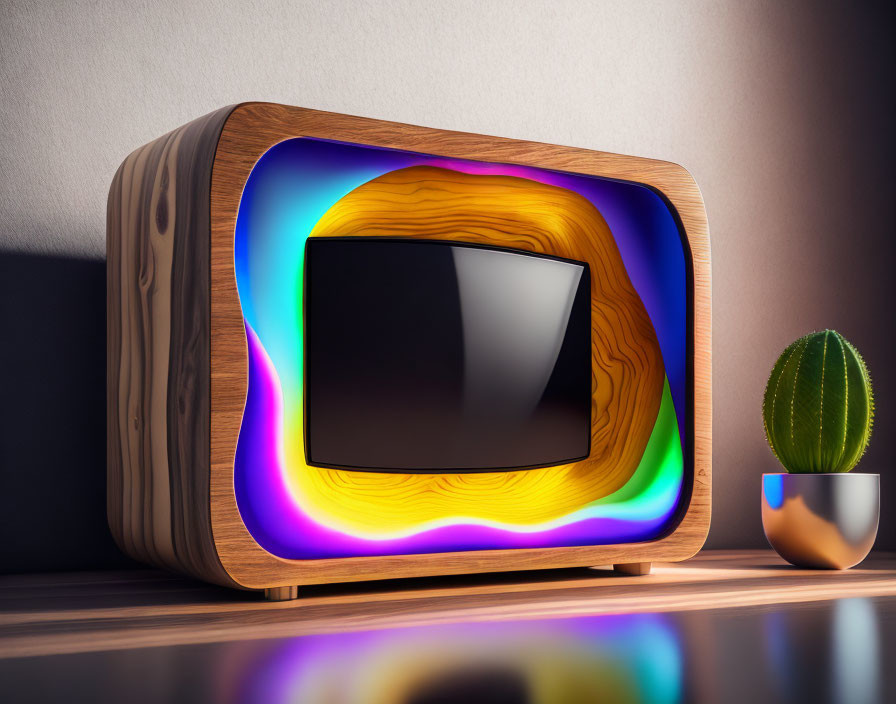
782	111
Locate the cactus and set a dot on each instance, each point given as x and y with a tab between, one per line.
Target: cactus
818	406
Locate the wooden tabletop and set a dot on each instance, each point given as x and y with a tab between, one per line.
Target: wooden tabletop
93	611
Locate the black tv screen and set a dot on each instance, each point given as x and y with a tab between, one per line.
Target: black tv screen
435	356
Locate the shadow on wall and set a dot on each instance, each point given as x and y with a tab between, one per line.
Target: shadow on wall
53	416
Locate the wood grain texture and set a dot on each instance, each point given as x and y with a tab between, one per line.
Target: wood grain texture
253	128
177	357
69	613
425	202
158	351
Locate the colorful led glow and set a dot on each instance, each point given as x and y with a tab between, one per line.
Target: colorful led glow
295	517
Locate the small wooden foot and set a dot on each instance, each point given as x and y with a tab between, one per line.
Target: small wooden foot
636	569
281	593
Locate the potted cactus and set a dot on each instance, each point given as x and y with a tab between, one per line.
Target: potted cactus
818	411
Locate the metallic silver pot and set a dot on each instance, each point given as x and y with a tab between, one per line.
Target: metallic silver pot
821	520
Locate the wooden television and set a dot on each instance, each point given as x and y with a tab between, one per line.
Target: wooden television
344	349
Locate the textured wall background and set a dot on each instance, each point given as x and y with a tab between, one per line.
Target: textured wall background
783	112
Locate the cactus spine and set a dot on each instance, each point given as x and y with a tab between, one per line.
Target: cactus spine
818	406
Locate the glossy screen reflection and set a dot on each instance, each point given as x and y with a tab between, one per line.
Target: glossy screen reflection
430	356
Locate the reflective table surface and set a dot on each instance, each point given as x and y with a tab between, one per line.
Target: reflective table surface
549	649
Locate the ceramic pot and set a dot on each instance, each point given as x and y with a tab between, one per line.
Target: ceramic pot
821	520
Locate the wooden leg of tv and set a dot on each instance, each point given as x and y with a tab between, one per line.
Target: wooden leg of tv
633	568
281	593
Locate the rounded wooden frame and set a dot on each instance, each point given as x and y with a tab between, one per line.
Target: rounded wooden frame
249	130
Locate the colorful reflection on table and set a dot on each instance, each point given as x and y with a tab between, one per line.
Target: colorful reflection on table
835	652
851	667
627	658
